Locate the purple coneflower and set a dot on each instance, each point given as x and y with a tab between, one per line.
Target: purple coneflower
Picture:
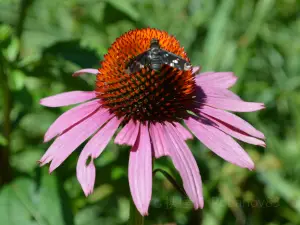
149	106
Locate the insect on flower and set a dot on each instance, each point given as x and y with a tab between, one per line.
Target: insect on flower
149	105
155	57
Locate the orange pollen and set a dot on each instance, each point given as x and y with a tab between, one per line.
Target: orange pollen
145	95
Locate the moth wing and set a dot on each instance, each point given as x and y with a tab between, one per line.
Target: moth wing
138	62
174	60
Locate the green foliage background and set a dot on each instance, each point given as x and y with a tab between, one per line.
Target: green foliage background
42	42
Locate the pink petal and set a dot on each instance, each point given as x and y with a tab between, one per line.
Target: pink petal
232	105
70	118
216	92
216	79
220	143
232	120
65	144
185	134
68	98
195	69
140	171
228	129
83	71
93	149
224	99
97	143
186	165
160	146
86	175
129	133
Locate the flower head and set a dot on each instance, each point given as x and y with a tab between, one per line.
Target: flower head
149	106
146	95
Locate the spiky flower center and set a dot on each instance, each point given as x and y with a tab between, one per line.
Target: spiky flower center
146	95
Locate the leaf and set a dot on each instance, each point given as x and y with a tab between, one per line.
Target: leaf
214	214
217	34
3	140
53	201
9	11
72	51
16	80
25	161
36	129
16	206
101	192
13	49
29	203
125	7
88	215
262	10
46	23
288	191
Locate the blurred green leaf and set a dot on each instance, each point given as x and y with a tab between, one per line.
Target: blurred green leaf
217	34
32	128
5	32
262	9
3	140
26	160
125	7
16	80
72	51
13	50
53	197
27	202
101	192
285	189
16	205
215	213
88	215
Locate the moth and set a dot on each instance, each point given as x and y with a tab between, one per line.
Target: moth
154	58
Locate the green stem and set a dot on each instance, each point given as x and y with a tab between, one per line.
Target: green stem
135	218
172	181
6	174
23	10
5	168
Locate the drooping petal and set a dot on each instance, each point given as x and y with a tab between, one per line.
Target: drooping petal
140	171
70	118
129	133
232	104
91	151
216	92
220	143
68	98
185	134
97	143
86	176
186	165
224	99
228	129
65	144
232	120
83	71
216	79
160	146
